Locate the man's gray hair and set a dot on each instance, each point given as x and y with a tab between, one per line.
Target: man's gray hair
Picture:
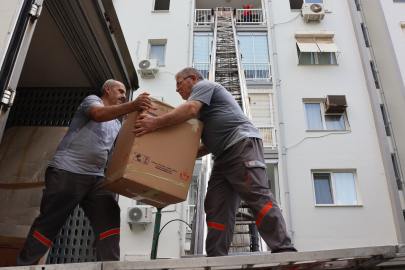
190	71
109	83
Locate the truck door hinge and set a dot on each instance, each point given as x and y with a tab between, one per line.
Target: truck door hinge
8	98
35	11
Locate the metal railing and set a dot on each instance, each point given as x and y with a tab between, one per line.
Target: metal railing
202	16
250	16
268	134
257	71
203	68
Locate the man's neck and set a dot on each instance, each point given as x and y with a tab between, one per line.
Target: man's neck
105	100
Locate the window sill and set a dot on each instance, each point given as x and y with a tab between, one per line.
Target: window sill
160	11
318	65
337	205
328	130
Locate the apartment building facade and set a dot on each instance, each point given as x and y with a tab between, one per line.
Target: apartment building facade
332	173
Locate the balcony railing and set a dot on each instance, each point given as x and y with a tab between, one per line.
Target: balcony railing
203	68
257	71
250	16
268	134
202	16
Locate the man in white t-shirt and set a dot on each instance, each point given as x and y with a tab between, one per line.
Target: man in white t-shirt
75	176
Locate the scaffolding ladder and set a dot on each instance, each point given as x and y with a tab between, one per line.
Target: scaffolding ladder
227	70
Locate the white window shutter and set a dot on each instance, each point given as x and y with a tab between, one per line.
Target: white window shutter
327	6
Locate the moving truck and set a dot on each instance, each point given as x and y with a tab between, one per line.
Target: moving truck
52	55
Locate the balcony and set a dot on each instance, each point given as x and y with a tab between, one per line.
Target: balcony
250	17
257	72
268	134
203	68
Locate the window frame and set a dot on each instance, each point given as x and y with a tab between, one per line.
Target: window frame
315	57
322	107
157	42
326	5
331	172
159	10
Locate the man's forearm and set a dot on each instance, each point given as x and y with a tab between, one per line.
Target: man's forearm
103	114
179	115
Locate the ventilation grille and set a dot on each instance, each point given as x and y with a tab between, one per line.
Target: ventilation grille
46	107
75	241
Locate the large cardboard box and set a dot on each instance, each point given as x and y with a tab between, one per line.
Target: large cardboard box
155	168
9	249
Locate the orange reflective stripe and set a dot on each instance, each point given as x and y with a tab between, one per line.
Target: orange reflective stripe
42	238
108	233
216	226
263	212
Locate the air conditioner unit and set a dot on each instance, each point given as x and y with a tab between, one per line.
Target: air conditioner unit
148	68
312	12
335	104
139	214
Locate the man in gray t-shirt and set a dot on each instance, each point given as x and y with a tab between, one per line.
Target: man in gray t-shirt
75	176
239	169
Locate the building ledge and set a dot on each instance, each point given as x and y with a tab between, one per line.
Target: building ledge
259	84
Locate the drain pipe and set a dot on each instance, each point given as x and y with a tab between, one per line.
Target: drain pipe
189	35
281	118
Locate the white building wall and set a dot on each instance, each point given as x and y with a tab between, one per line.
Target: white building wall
141	24
329	227
315	228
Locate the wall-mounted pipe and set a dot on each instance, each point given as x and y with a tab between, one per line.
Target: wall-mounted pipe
281	119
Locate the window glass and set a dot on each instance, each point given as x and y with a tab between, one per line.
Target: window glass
322	184
201	54
314	116
246	48
396	171
345	189
162	4
296	4
335	122
192	194
326	58
158	52
314	1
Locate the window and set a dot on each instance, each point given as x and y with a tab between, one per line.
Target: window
385	119
192	193
318	120
357	2
255	56
396	171
297	4
363	28
316	51
374	71
399	1
335	188
202	52
161	5
157	50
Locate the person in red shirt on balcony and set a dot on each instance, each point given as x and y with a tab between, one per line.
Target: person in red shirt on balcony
247	13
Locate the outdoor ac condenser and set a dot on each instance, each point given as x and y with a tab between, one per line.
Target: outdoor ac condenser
139	214
313	12
148	68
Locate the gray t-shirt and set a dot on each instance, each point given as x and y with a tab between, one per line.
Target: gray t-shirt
85	147
224	121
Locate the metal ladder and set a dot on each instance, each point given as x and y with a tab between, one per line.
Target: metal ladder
226	69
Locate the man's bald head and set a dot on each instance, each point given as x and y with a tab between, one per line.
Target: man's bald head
109	83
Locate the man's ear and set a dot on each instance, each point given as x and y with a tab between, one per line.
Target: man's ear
108	90
193	77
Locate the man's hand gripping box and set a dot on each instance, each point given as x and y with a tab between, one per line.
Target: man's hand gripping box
155	168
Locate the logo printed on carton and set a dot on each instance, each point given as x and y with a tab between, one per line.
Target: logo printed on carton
125	157
184	176
141	158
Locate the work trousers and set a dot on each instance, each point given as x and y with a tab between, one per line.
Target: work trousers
64	191
240	173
